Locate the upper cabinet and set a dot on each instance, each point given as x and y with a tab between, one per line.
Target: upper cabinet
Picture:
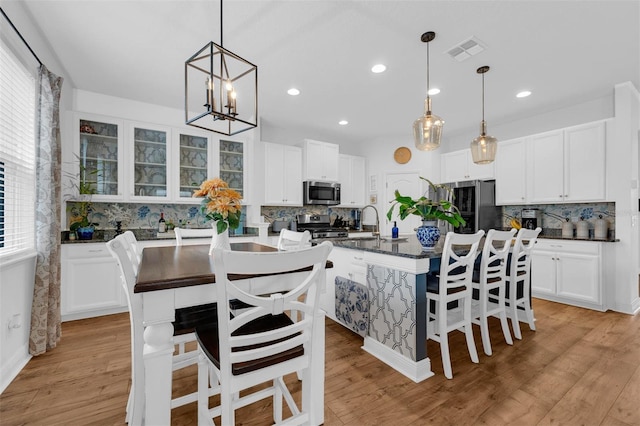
352	181
320	161
511	177
458	166
566	165
194	165
150	162
99	141
232	156
283	175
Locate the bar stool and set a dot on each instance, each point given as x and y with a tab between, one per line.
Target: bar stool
489	285
519	280
449	295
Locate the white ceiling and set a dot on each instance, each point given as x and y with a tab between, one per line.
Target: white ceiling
563	51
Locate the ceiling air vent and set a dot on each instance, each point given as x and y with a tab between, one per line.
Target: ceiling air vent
466	49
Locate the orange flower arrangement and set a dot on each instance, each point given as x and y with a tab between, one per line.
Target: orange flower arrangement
220	203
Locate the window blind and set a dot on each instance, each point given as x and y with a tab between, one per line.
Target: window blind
17	155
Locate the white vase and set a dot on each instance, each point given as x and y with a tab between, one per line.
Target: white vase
220	241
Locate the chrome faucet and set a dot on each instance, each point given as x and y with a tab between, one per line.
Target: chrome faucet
376	233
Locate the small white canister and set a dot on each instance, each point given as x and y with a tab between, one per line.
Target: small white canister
582	229
601	228
567	229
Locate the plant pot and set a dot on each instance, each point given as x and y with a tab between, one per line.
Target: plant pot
428	234
85	233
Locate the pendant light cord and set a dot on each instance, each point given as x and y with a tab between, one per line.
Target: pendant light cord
482	96
427	70
221	43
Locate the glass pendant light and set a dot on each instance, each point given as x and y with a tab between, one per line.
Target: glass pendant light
427	130
484	147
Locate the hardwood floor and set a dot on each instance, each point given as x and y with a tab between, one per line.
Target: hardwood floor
580	367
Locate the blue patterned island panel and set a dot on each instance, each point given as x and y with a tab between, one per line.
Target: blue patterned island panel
352	305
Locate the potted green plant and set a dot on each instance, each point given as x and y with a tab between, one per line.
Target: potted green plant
430	211
82	208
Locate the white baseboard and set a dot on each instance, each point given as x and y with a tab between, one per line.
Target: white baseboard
415	370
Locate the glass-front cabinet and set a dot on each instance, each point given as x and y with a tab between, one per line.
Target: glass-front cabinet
193	154
99	168
150	162
232	164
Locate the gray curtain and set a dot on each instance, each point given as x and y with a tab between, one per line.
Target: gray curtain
45	310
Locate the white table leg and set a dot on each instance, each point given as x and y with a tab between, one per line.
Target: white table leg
158	350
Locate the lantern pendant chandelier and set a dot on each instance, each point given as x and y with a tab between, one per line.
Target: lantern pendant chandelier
483	148
427	130
221	90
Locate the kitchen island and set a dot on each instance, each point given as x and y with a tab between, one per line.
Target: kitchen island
394	272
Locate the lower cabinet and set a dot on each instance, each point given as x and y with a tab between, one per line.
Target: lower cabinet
347	263
568	272
91	283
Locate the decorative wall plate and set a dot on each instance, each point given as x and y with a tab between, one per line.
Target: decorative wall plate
402	155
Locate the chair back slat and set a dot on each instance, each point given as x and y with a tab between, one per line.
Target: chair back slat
494	255
302	298
458	256
192	233
521	255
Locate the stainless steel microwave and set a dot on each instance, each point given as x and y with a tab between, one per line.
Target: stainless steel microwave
323	193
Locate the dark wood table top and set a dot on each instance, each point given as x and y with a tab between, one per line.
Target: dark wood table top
172	267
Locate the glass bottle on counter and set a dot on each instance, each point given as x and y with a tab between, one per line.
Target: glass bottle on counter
162	225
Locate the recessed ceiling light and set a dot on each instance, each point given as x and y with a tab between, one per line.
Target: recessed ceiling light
523	94
343	122
434	91
378	68
293	91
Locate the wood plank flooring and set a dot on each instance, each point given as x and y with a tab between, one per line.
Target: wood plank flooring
580	367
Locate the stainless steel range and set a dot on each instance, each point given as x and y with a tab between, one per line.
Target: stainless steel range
319	225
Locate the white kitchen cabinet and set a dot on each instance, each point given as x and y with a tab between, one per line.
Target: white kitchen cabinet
320	161
510	168
347	263
99	142
568	272
352	181
91	283
150	162
567	165
458	166
192	153
283	175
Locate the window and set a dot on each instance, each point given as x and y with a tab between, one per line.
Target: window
17	155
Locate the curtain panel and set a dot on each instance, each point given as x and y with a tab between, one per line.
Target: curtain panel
45	311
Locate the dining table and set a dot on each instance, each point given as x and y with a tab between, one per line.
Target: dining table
173	277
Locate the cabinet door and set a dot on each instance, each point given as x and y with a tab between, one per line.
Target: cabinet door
151	162
274	185
510	167
321	161
358	182
545	167
579	277
232	160
454	166
543	272
192	153
293	175
584	170
100	156
479	171
90	282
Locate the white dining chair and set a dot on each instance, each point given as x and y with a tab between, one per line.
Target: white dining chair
184	327
519	281
292	240
452	286
262	344
135	251
489	286
192	233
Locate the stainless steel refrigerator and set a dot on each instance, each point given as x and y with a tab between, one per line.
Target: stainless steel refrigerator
476	201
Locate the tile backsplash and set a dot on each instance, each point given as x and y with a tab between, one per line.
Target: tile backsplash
553	215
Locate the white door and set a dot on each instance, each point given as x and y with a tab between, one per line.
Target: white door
408	184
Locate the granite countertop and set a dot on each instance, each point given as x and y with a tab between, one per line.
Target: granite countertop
102	236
